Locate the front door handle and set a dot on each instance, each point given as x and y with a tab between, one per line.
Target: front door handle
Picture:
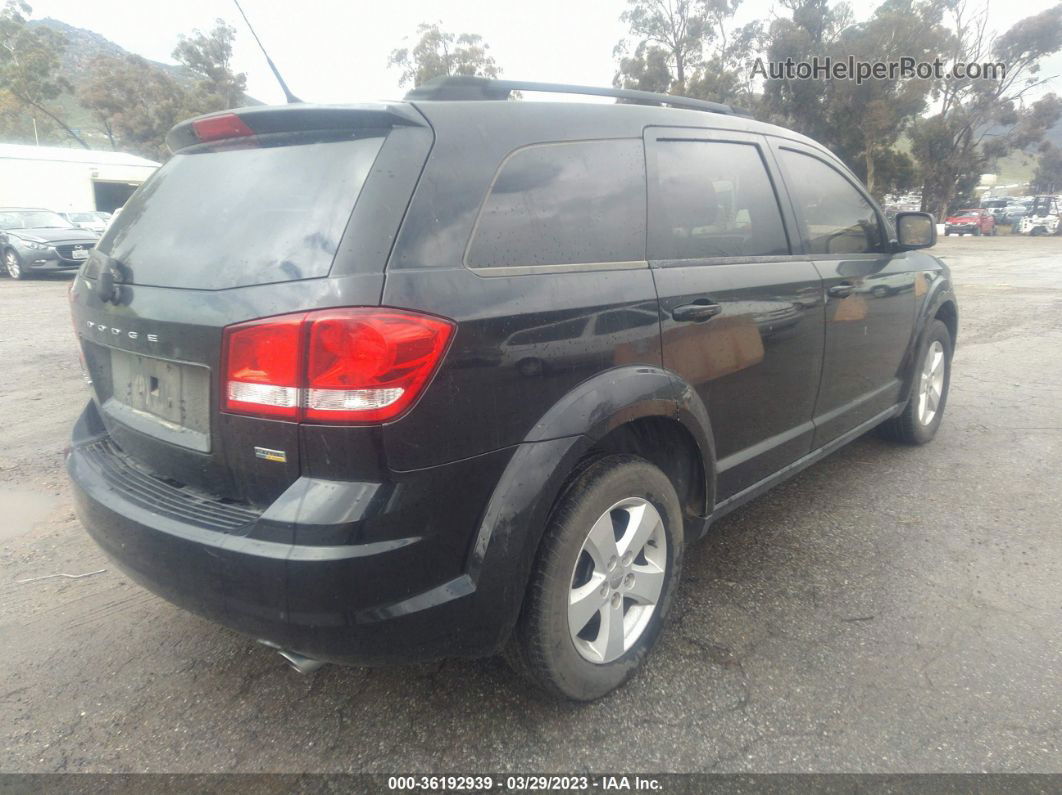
842	290
697	313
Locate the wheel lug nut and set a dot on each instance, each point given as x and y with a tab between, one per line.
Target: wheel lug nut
628	581
627	556
604	589
616	599
612	562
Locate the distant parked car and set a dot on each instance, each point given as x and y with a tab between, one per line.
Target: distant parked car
997	206
96	221
1044	217
1013	213
974	221
34	240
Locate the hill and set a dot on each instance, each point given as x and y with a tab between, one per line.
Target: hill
82	46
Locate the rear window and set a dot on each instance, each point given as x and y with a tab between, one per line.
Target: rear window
714	199
564	204
228	218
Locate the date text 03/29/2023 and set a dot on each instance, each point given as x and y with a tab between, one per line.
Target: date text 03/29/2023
527	783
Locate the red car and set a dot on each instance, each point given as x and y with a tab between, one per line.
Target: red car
970	222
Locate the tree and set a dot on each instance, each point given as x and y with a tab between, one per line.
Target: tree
647	69
1048	176
724	75
669	34
17	126
135	103
29	64
687	47
441	54
895	172
868	117
209	56
981	119
812	29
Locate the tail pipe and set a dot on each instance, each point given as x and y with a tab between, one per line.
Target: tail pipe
301	663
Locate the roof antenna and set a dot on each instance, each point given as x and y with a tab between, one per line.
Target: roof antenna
284	86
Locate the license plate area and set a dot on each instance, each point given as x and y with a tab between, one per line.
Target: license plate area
79	254
162	398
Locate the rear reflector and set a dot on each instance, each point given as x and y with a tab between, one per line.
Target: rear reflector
216	128
352	365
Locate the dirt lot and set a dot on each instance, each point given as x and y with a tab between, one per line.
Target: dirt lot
890	609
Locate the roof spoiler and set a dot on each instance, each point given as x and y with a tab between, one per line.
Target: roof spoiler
464	87
269	119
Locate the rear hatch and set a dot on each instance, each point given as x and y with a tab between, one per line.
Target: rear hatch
260	212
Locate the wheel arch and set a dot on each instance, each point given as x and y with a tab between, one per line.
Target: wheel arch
643	410
939	303
947	312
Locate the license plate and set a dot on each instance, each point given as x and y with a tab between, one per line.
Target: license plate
79	254
160	397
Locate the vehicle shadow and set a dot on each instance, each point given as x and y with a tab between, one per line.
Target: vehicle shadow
767	580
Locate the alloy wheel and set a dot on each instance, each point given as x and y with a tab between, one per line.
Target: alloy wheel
617	580
14	268
931	383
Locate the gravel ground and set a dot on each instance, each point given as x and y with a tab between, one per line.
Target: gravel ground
888	610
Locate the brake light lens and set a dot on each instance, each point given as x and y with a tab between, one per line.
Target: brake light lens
354	365
216	128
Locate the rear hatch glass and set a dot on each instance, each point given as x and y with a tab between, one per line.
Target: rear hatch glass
232	217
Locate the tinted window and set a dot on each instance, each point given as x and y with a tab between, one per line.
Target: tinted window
836	217
713	199
559	204
218	219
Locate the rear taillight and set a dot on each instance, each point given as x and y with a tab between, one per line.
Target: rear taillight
355	365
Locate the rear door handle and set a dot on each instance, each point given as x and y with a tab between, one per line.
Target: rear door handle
842	290
697	313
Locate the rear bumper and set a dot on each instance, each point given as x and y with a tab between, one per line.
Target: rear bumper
339	571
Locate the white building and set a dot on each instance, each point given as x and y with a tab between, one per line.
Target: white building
69	180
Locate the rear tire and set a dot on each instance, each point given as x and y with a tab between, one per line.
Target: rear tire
921	417
603	580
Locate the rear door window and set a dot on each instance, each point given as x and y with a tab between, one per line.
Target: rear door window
228	218
564	204
713	199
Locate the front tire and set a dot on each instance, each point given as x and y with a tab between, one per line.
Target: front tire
603	581
13	265
919	421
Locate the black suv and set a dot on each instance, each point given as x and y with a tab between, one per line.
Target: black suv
459	375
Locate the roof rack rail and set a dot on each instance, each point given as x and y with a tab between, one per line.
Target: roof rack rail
465	87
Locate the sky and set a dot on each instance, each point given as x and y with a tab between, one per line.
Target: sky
337	50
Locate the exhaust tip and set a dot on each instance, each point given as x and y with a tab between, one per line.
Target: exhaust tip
301	663
304	665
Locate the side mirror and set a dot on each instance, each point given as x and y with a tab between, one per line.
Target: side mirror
915	230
